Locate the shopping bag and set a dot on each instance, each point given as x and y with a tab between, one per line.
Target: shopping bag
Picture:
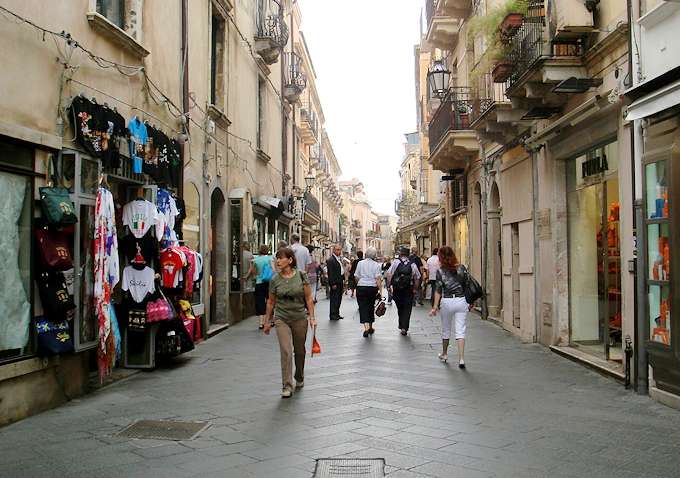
316	346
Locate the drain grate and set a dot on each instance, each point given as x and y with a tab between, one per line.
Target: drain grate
350	468
164	430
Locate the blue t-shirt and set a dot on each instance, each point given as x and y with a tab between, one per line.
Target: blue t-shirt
138	139
260	262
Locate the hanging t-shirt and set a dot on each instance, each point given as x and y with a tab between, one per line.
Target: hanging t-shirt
138	140
167	206
115	129
138	283
147	246
89	124
171	265
150	165
175	163
139	215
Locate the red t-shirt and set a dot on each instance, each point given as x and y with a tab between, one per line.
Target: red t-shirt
171	264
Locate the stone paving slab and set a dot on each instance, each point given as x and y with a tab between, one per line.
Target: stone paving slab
517	411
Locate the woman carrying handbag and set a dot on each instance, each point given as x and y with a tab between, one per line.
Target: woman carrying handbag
369	284
291	305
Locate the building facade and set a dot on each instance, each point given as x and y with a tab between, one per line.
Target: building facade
220	83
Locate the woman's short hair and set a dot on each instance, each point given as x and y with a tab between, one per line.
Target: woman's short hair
264	250
371	253
288	253
447	258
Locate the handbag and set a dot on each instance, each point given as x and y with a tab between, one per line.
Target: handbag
57	206
316	346
267	273
54	338
55	253
54	295
381	308
471	288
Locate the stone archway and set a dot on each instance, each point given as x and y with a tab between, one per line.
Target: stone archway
476	234
495	273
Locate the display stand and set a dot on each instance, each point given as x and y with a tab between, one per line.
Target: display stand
139	347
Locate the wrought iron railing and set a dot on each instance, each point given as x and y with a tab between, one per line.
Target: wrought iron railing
312	204
271	23
488	94
453	114
295	81
530	45
430	11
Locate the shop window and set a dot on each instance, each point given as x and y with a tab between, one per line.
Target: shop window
459	194
191	227
86	325
15	261
113	10
236	245
658	251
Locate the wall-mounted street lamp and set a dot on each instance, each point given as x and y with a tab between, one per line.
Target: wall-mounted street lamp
438	77
309	181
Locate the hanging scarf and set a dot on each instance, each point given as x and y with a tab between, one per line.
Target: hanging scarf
106	276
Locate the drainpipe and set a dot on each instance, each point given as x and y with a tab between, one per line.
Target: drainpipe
537	250
641	372
185	83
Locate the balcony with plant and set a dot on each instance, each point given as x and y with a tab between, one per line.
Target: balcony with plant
295	80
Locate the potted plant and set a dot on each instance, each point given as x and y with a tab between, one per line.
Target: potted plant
510	24
501	71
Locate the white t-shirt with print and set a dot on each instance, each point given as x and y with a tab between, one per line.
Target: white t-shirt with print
139	216
139	283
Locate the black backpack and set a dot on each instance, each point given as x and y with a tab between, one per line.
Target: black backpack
402	276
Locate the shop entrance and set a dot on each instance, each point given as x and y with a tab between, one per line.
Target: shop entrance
594	254
218	259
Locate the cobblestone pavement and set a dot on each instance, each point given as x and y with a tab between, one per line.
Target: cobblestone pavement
517	411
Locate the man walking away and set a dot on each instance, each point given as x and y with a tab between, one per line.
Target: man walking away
403	277
302	255
432	266
336	278
351	281
415	259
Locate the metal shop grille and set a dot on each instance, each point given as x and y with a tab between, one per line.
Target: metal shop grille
164	430
350	468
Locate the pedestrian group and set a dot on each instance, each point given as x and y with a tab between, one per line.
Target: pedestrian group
287	284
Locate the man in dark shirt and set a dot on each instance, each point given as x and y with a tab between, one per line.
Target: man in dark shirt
415	259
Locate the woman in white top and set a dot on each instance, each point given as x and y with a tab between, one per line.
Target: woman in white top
368	277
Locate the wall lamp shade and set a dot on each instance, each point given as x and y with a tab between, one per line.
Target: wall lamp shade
309	181
438	77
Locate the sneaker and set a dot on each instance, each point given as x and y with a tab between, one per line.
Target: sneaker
299	385
286	393
443	357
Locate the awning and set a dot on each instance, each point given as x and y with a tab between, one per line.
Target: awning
424	219
271	202
654	102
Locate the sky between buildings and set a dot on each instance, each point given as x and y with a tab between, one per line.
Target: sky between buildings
362	52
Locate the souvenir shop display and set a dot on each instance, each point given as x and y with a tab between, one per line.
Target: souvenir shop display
99	129
54	249
54	337
57	206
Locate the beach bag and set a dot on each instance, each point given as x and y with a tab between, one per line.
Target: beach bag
55	253
57	206
267	272
54	296
54	338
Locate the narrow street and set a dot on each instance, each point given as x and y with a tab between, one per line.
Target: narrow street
518	410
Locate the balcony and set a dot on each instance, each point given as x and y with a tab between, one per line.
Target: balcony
309	123
452	141
444	21
492	114
315	155
540	63
272	31
312	210
295	81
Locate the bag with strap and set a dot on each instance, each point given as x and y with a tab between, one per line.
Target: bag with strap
55	253
402	279
54	338
57	206
471	288
267	272
381	308
54	296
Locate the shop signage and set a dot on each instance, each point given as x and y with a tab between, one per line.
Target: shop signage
594	166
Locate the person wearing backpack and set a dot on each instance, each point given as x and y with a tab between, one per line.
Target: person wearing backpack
451	301
403	277
264	268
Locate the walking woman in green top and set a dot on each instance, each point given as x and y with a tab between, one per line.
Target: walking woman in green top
292	306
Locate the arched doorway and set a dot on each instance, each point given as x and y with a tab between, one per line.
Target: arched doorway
495	277
217	246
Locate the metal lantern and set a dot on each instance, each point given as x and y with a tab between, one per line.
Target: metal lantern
438	77
309	181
